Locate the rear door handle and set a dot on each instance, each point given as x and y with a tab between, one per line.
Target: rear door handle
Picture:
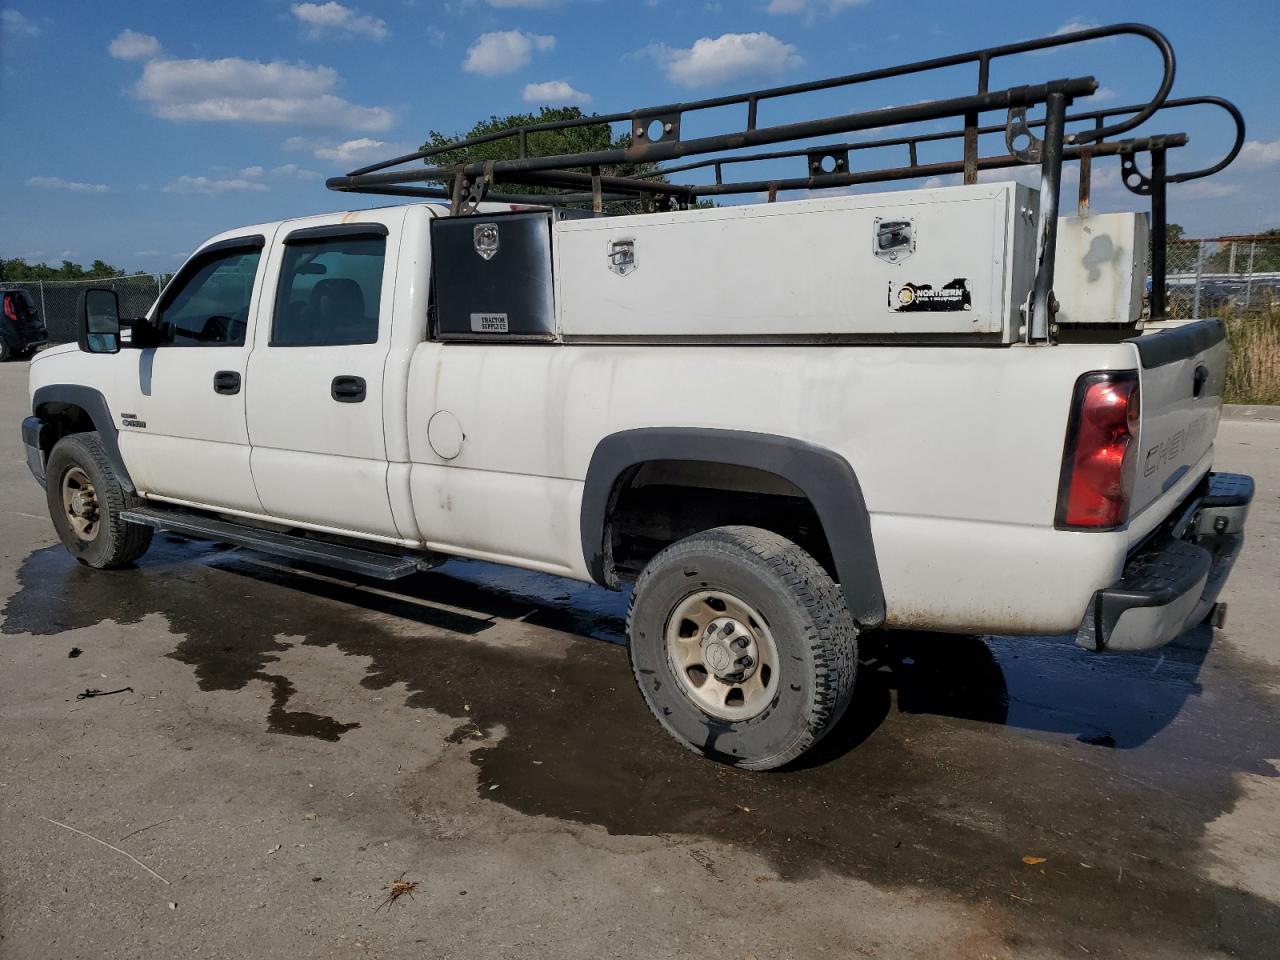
347	389
226	382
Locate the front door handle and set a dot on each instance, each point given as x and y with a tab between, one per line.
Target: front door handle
347	389
226	382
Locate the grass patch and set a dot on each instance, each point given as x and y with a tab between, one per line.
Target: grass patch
1253	363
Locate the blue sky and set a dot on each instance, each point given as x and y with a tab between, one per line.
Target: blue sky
135	130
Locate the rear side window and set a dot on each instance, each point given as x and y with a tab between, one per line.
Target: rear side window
210	307
330	288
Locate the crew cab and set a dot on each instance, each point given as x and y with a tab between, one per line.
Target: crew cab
300	388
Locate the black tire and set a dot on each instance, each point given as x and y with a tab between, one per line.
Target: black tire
815	639
6	351
116	543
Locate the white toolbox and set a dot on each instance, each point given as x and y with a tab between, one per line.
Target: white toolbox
933	263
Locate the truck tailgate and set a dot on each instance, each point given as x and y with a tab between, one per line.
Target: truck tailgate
1182	372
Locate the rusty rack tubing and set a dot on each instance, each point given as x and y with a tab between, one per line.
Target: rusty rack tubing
655	137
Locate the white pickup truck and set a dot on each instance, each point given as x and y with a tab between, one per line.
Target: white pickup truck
295	375
784	423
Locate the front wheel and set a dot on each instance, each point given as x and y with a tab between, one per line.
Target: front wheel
742	646
86	500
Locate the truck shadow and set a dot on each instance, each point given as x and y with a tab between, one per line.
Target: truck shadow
960	756
1046	684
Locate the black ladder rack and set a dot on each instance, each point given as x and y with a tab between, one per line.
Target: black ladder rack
600	178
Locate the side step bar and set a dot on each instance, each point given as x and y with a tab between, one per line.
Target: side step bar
366	563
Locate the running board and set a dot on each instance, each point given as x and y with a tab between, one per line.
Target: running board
366	563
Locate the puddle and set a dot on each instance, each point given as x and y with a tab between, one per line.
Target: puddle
960	757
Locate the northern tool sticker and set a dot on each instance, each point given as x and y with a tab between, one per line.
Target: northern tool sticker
925	298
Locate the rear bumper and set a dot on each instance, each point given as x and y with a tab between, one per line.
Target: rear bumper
1172	582
21	338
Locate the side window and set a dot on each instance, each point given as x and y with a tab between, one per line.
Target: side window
210	307
330	288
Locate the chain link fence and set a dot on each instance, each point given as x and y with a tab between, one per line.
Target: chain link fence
58	300
1237	276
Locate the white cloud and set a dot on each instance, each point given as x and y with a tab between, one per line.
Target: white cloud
293	170
730	56
554	92
1259	153
334	18
504	51
810	6
207	185
254	171
131	45
351	151
1208	189
15	24
1074	26
1101	95
57	183
249	91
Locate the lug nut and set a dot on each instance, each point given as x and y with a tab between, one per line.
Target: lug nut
745	662
742	643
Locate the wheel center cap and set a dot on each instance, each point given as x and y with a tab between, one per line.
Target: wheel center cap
729	650
718	656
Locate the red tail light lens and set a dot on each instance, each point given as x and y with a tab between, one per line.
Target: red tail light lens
8	308
1101	454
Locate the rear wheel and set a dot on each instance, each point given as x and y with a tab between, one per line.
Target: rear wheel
742	646
86	499
6	351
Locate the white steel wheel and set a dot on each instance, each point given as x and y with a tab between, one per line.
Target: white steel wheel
80	502
722	653
742	646
86	499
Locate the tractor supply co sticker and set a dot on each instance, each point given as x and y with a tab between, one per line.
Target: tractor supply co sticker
488	323
924	298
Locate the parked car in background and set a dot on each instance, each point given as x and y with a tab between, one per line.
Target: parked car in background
22	329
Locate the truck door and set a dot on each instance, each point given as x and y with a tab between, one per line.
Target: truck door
315	382
182	424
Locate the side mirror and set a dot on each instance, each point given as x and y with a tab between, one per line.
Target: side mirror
99	322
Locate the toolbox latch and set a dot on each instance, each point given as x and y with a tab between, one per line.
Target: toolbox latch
622	256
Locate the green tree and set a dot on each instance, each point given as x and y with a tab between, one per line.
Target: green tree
544	143
18	269
1265	250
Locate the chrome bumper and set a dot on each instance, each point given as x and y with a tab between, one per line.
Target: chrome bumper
1172	583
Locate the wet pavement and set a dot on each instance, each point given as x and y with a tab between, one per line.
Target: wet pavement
1001	797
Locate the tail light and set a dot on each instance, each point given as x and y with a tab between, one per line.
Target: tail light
8	308
1101	454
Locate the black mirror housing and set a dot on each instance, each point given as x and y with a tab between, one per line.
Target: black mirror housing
99	321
